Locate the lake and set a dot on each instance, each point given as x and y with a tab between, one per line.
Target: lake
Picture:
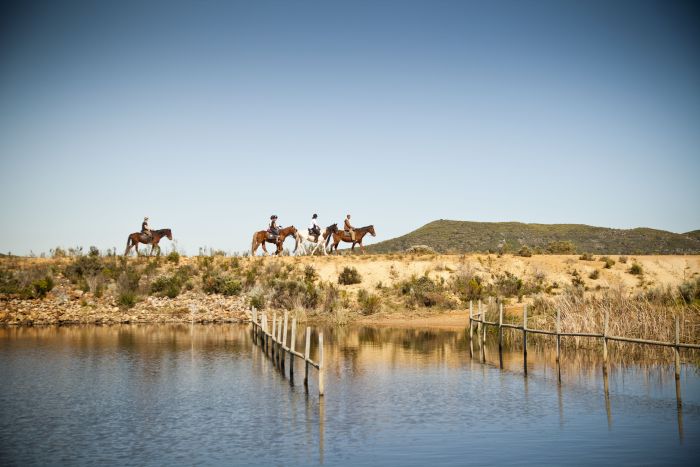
206	395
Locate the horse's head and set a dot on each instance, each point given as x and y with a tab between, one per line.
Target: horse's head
371	231
333	228
169	234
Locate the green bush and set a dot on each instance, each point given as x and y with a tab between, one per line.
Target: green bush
310	274
636	269
609	262
169	286
689	291
525	252
577	280
594	274
127	299
369	303
423	291
508	285
215	283
561	248
173	257
586	257
349	276
28	284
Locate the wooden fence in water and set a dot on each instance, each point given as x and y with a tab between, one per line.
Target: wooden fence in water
479	319
273	341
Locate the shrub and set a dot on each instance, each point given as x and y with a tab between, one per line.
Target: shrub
216	283
586	257
369	303
561	248
58	252
508	285
127	287
94	251
594	274
420	250
169	286
577	280
609	262
467	286
173	257
349	276
622	259
310	274
689	291
331	299
127	299
423	291
636	269
525	252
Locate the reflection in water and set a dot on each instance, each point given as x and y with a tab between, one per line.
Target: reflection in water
186	394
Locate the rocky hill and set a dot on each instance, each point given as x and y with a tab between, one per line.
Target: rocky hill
463	236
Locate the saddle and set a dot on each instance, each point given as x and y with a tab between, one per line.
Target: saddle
145	238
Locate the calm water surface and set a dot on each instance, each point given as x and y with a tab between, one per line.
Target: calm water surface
174	395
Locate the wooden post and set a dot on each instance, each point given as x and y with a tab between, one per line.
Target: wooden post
676	350
274	335
321	375
605	341
280	350
471	325
479	322
292	345
306	356
483	318
500	334
525	338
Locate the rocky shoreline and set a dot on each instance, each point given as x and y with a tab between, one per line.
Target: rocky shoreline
70	306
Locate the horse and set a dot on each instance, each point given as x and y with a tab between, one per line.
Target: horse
138	237
342	235
262	236
304	236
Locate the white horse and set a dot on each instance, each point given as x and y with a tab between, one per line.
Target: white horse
303	237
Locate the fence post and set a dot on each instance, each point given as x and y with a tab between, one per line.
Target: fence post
605	341
676	350
500	334
478	322
525	338
483	318
280	349
292	346
471	325
284	339
274	335
321	375
306	356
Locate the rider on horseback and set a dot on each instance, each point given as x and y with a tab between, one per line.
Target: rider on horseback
145	229
314	228
349	228
273	228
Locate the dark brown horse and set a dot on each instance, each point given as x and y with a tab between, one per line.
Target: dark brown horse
138	237
342	235
262	236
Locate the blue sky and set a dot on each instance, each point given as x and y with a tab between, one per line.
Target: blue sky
211	116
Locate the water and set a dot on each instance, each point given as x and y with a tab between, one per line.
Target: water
177	394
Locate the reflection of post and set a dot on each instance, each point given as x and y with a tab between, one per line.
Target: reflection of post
676	351
321	374
306	357
478	322
274	333
558	345
500	334
679	409
561	405
525	338
321	427
606	391
292	347
483	319
471	330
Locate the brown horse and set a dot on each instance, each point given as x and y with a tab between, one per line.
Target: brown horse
342	235
262	236
138	237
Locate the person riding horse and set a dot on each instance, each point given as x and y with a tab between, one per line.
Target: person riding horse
314	228
349	228
273	228
145	229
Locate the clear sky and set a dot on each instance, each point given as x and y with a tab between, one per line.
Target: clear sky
210	116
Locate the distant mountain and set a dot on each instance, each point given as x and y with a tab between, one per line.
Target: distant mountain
463	236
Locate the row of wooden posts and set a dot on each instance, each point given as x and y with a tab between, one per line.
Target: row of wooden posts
273	341
478	320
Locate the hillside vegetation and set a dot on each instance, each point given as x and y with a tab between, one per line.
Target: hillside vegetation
445	236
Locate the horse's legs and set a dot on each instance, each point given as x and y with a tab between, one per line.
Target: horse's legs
264	248
362	248
353	246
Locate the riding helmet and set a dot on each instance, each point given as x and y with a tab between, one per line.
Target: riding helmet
314	216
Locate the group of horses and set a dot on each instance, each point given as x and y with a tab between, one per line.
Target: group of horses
304	241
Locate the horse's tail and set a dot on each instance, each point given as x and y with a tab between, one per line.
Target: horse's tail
128	244
253	245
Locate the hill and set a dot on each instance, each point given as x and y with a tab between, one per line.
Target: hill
463	236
